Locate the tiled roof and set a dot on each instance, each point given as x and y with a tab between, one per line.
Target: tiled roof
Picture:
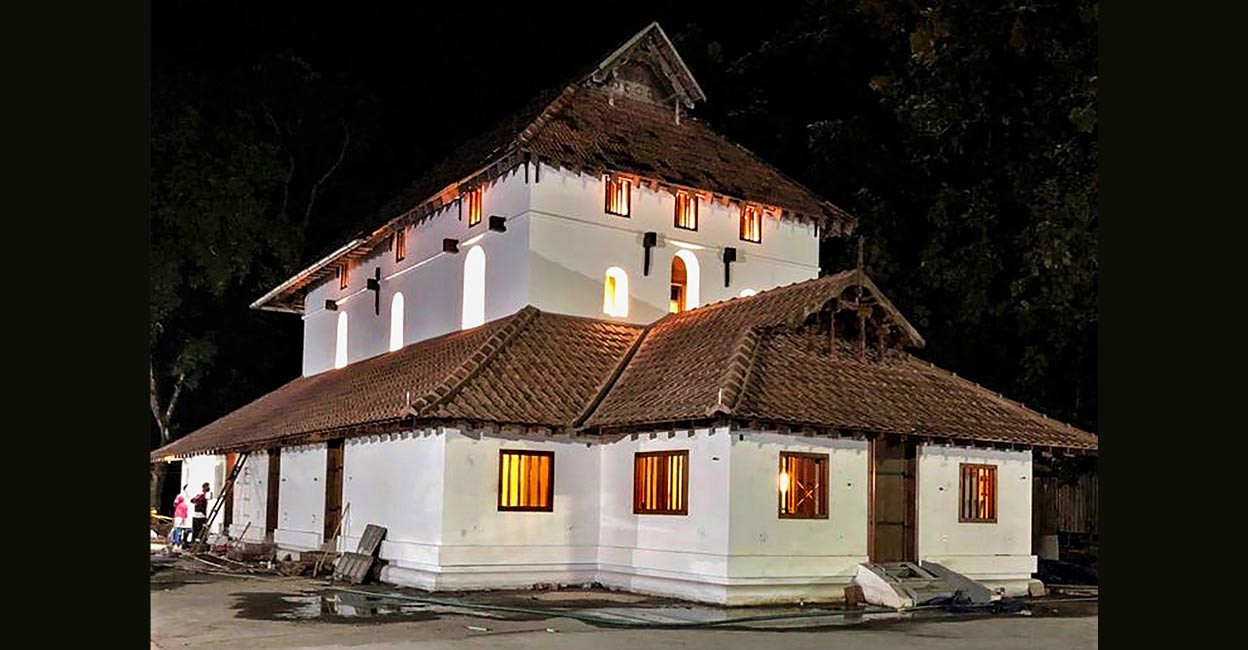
528	368
764	359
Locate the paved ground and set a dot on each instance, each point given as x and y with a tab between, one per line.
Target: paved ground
203	611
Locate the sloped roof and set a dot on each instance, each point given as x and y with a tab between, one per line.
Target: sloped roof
762	359
586	127
531	367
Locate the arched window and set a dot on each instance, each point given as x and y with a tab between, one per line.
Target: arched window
615	292
396	322
746	293
685	282
474	288
340	345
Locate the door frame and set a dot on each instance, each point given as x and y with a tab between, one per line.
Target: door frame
909	496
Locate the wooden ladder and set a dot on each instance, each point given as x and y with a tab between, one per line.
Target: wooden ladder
216	507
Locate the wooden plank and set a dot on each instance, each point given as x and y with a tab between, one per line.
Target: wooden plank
370	542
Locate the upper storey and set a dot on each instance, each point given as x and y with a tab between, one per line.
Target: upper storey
627	118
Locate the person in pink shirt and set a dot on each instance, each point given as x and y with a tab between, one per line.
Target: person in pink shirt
181	518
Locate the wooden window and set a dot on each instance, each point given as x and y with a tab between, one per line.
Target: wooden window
803	486
344	275
686	210
661	483
400	244
526	480
474	207
619	195
977	493
752	223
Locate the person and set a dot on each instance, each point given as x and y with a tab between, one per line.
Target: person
181	520
200	516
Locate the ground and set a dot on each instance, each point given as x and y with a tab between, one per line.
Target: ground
192	610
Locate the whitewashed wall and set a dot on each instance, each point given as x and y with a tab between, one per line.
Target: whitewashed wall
684	555
301	498
397	481
251	496
483	547
574	241
990	552
431	281
200	469
789	559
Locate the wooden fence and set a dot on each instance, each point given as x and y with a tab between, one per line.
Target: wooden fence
1066	507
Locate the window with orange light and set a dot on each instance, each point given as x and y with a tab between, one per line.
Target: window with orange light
661	483
344	276
400	244
474	207
526	480
619	196
803	486
752	224
977	493
686	210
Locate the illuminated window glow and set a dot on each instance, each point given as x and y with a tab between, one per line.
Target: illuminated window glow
400	244
752	223
474	288
661	483
344	275
803	486
685	282
396	322
746	293
473	199
619	195
340	344
686	210
977	493
615	293
526	480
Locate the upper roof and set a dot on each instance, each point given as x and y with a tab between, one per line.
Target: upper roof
769	360
624	115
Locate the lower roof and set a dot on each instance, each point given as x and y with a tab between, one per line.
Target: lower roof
766	360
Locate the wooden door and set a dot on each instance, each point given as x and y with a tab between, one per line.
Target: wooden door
231	459
274	488
894	500
333	489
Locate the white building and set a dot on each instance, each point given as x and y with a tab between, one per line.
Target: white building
549	364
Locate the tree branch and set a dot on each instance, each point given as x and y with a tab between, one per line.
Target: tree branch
173	401
316	189
290	169
154	399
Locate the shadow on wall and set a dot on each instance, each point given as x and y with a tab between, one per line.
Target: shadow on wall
578	292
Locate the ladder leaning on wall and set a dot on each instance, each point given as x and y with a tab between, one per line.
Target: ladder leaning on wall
216	507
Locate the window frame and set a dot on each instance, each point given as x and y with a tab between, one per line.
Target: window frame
691	198
400	244
661	483
550	481
610	182
476	200
758	211
962	472
344	276
823	461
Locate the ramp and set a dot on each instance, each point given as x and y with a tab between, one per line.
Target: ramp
901	585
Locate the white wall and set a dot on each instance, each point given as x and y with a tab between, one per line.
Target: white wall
574	241
431	281
982	551
769	550
200	469
301	498
396	481
681	554
251	496
485	547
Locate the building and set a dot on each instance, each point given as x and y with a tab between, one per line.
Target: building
594	346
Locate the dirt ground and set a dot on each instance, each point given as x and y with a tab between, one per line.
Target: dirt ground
191	610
